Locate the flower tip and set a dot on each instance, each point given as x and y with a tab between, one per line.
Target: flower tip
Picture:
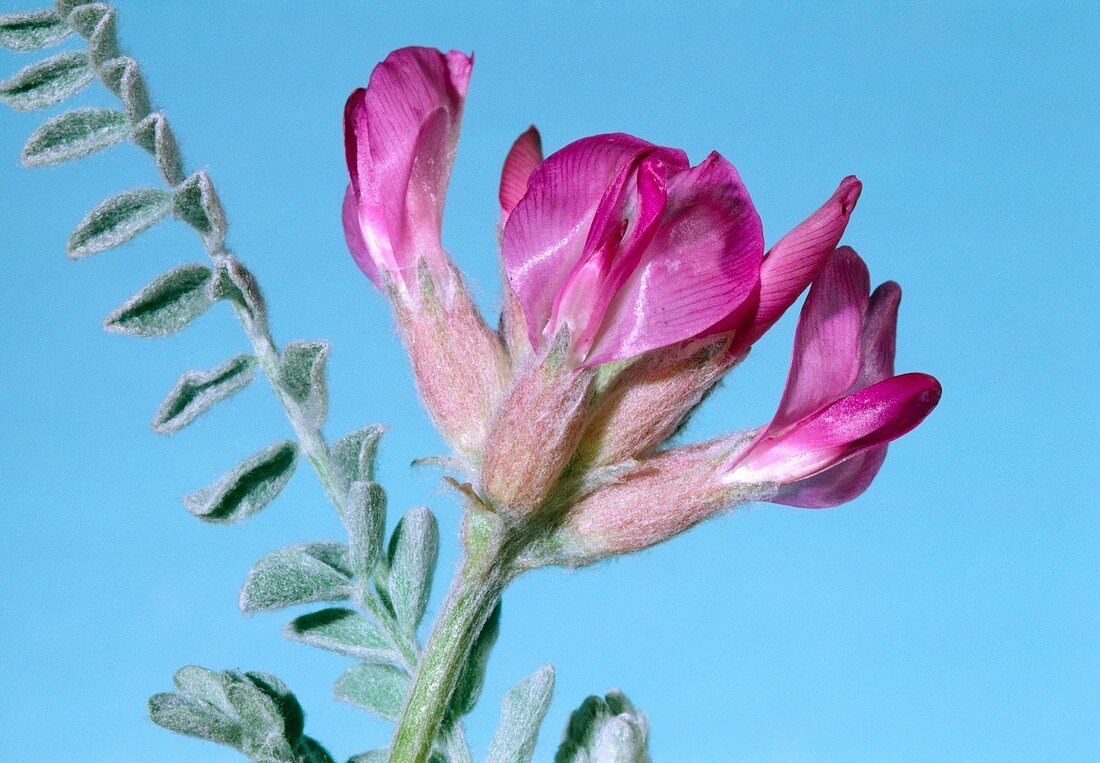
460	65
848	193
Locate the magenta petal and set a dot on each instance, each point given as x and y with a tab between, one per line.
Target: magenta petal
701	264
842	483
401	134
354	235
524	156
880	330
871	417
798	257
826	359
546	232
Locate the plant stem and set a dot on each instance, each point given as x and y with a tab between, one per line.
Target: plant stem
475	590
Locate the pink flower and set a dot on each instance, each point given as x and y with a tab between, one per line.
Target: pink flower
400	138
400	135
650	400
629	248
842	403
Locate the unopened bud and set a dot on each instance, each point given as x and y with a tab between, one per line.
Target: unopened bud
535	430
663	496
651	398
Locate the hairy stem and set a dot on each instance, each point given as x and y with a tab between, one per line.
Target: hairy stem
475	590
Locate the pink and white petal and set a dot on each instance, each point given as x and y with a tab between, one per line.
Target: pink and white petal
880	334
702	263
353	232
842	483
826	358
545	235
797	258
858	422
524	156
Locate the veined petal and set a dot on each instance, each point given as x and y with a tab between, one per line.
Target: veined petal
354	235
400	137
524	156
797	258
701	264
858	422
826	359
842	483
546	232
879	334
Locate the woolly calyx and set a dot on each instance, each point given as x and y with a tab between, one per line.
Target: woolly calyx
661	497
459	364
535	431
649	400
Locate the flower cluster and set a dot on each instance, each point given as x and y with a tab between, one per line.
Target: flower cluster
635	282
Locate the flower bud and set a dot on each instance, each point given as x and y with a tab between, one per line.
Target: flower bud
535	430
647	401
665	495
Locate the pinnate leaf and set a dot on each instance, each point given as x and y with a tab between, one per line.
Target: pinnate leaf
521	714
117	220
74	134
247	488
297	575
47	82
413	552
198	391
377	688
343	631
188	716
166	305
32	30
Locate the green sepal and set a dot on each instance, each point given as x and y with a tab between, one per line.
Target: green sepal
235	282
297	575
302	370
32	30
413	552
118	219
364	515
47	82
123	77
74	134
247	488
198	391
166	305
354	454
155	136
521	714
375	687
196	203
345	632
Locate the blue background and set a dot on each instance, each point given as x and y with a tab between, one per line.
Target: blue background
951	612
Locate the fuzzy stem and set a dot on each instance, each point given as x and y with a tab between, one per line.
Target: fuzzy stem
475	590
